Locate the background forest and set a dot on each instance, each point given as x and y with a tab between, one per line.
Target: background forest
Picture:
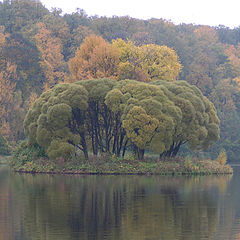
36	45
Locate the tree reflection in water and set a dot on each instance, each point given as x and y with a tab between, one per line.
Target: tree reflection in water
116	207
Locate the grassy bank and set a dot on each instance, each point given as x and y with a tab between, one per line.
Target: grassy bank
5	159
128	165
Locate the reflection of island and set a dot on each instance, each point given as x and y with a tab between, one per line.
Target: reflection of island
5	211
5	227
115	207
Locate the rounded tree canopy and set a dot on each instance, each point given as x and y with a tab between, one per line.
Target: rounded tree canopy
50	121
147	114
199	126
101	114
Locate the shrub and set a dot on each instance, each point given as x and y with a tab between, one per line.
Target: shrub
4	147
222	157
24	153
188	162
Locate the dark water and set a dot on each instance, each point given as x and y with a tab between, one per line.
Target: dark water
119	207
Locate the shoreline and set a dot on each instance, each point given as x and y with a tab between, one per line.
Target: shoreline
121	174
123	167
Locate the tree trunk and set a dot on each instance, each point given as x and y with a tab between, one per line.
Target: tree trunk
84	145
141	154
177	148
124	148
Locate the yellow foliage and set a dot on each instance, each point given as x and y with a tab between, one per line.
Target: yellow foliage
237	80
160	62
233	54
222	157
52	60
3	36
2	39
146	63
32	99
140	127
188	162
5	128
95	58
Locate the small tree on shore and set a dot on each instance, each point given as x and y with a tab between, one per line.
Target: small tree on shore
222	157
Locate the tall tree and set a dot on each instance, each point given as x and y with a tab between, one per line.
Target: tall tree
52	60
7	89
95	58
77	37
25	55
233	55
59	29
147	62
206	52
2	36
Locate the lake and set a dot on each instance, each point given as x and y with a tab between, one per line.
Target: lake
57	207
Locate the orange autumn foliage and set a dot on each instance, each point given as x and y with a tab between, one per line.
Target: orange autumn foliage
95	58
52	60
233	54
206	33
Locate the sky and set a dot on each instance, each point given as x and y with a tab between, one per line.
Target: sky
205	12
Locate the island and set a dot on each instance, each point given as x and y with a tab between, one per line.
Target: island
105	126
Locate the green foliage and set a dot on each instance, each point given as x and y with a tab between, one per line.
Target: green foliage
147	114
199	126
60	148
141	43
16	15
24	153
139	126
51	124
4	147
146	63
58	115
105	164
208	55
106	116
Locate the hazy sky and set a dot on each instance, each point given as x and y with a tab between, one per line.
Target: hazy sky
208	12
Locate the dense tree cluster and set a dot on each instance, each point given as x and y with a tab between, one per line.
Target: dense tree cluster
36	45
97	58
104	115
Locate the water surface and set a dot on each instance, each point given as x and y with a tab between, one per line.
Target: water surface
54	207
